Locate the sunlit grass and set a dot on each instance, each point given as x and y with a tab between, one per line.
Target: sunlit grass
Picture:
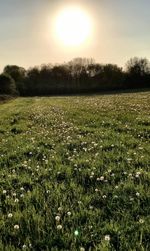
75	173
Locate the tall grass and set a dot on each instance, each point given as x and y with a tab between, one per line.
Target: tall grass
75	173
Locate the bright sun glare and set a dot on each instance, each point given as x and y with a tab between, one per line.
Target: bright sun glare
73	26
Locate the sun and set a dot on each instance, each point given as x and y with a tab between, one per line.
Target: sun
73	26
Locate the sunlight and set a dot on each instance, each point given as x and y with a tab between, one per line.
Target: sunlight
73	26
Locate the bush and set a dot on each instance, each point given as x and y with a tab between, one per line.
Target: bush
7	85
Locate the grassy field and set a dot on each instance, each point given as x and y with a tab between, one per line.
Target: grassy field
75	173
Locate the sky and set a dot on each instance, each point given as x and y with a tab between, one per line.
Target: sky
120	31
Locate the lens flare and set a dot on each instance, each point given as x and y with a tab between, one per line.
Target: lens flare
73	26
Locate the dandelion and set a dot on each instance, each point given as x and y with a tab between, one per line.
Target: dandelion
16	227
101	178
107	237
68	213
137	194
10	215
16	200
82	249
24	246
96	190
4	191
57	218
141	221
59	227
137	174
76	232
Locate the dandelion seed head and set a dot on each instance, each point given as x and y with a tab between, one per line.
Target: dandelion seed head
59	227
57	218
16	227
102	178
107	237
10	215
76	232
141	221
137	194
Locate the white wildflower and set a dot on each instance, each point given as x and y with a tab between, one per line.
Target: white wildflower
102	178
10	215
107	237
141	221
137	194
59	227
16	227
57	218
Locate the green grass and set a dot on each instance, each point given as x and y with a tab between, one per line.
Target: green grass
88	156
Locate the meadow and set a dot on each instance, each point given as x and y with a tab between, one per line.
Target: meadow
74	173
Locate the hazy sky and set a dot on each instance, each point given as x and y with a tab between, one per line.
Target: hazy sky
121	30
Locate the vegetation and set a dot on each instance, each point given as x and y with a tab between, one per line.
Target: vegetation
7	84
75	173
80	75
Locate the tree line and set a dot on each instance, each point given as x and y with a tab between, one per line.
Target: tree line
81	75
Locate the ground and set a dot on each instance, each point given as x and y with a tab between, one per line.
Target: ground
75	173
